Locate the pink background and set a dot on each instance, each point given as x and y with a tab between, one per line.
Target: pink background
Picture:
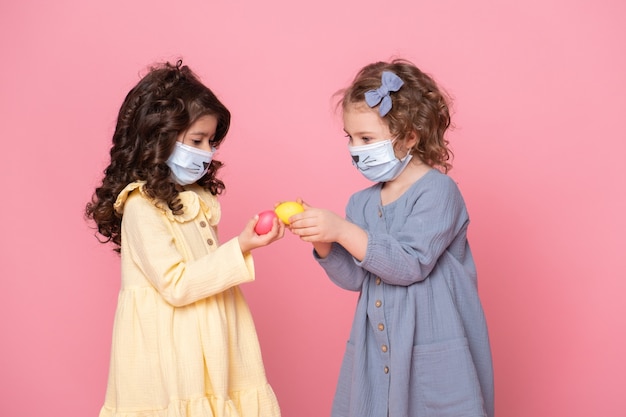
540	101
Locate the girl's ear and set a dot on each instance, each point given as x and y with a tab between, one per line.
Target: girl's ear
412	140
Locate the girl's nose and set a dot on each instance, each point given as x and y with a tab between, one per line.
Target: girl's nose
206	146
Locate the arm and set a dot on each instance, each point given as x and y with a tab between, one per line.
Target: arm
337	242
436	217
341	268
323	227
433	219
151	242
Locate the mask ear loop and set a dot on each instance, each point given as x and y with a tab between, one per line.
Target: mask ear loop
408	150
184	133
408	154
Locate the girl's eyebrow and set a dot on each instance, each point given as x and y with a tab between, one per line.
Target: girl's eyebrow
200	132
360	133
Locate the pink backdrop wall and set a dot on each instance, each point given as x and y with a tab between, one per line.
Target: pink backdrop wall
540	97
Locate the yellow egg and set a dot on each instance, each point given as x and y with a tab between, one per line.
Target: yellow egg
287	209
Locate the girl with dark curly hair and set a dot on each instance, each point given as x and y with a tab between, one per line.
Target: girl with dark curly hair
184	342
419	344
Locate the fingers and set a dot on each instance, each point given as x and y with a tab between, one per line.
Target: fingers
276	232
304	228
252	223
300	201
278	229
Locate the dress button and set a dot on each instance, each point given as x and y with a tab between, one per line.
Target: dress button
378	303
381	327
202	223
386	369
383	348
378	280
210	241
380	213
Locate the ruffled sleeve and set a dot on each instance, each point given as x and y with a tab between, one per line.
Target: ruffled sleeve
123	195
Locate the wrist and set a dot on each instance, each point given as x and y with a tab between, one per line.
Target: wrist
243	246
354	240
322	249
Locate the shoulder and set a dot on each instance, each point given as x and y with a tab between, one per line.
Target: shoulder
137	208
437	184
436	193
131	196
434	177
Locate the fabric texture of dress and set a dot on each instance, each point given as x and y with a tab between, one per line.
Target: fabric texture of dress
419	345
184	342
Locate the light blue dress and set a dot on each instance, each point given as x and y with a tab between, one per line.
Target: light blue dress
419	345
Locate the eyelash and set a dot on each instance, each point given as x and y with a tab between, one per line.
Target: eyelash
365	139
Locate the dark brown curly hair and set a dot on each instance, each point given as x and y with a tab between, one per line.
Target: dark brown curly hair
165	102
419	106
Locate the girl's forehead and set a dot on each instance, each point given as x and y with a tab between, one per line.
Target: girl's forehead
359	106
360	117
205	124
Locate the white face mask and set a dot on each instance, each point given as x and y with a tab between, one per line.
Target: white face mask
377	161
189	164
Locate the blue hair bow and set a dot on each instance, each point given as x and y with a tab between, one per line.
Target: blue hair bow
389	82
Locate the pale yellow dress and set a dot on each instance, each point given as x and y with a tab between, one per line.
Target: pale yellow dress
184	343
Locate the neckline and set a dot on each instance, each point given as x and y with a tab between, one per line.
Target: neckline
405	193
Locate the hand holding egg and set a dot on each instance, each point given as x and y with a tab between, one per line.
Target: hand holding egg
283	211
287	209
265	222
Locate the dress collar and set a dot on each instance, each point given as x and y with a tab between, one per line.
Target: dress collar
194	199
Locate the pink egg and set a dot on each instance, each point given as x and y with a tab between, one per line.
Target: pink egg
265	222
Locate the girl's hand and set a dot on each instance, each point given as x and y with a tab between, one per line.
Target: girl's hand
248	239
317	225
323	227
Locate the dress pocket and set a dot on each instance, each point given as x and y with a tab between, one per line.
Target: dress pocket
444	381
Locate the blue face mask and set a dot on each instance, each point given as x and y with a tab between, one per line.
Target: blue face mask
189	164
377	161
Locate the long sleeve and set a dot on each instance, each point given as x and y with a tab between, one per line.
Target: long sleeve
157	249
341	268
433	218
